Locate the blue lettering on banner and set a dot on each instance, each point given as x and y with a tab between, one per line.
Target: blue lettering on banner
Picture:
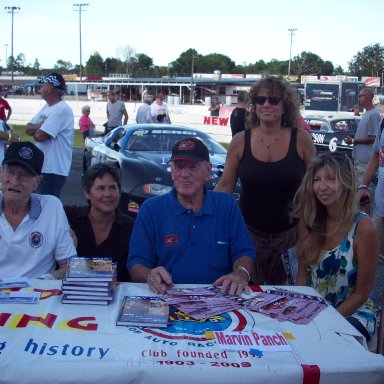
64	350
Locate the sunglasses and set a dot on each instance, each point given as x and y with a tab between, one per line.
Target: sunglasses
272	100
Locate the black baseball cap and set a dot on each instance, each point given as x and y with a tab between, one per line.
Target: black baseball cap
190	149
55	79
26	154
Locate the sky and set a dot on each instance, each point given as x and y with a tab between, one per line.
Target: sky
245	31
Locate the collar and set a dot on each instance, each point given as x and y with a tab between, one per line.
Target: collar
206	209
35	206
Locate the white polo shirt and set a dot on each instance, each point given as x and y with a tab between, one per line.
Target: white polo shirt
41	239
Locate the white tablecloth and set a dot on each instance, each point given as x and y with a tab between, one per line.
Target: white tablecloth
50	342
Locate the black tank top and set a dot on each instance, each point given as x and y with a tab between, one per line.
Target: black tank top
268	188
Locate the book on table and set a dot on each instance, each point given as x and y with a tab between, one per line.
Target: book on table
143	311
99	301
88	269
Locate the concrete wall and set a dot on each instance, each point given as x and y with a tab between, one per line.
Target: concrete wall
194	116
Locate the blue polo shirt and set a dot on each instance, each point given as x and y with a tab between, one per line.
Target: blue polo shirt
195	248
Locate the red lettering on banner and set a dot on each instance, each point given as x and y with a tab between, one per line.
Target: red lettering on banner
214	120
3	318
223	120
47	293
207	120
48	321
75	323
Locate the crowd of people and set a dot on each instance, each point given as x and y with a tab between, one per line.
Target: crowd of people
290	198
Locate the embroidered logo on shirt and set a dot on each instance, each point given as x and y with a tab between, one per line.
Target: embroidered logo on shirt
170	240
36	239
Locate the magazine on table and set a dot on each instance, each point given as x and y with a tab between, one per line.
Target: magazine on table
143	311
90	269
19	297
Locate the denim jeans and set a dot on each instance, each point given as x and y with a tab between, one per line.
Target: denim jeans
51	184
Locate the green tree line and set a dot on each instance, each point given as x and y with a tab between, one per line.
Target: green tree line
367	62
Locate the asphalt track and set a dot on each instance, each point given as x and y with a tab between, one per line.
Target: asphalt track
72	195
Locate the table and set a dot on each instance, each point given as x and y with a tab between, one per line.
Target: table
50	342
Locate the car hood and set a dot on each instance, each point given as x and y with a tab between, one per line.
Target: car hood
160	160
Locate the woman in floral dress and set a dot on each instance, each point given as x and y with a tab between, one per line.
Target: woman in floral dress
338	246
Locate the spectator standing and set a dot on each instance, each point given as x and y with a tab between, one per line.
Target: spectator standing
239	114
215	107
4	106
34	231
375	166
85	123
365	134
338	247
6	137
143	114
115	112
159	111
53	130
101	229
270	159
191	235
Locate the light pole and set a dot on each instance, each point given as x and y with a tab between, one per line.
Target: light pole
192	90
291	30
79	8
6	55
12	10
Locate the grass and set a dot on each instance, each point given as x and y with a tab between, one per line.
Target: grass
20	129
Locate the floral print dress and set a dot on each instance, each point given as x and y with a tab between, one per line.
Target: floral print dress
334	277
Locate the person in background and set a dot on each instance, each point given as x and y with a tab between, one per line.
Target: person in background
53	130
143	114
6	137
338	246
116	111
215	107
34	231
365	134
191	235
237	119
101	229
85	123
375	167
4	106
356	110
159	111
270	159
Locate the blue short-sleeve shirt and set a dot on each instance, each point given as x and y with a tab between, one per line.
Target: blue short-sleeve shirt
195	248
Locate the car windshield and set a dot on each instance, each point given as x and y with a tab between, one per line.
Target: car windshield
163	141
344	125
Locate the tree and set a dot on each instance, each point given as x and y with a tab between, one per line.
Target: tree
112	65
20	61
308	63
63	66
128	54
144	65
369	62
94	65
183	65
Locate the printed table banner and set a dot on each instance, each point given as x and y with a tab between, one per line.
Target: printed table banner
51	342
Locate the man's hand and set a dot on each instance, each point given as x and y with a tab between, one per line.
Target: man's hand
348	140
235	283
159	280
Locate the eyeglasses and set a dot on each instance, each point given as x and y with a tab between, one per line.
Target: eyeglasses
272	100
10	173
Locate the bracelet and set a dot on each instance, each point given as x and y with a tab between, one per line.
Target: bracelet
244	270
362	186
9	136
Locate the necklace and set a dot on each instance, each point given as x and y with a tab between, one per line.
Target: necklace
268	145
